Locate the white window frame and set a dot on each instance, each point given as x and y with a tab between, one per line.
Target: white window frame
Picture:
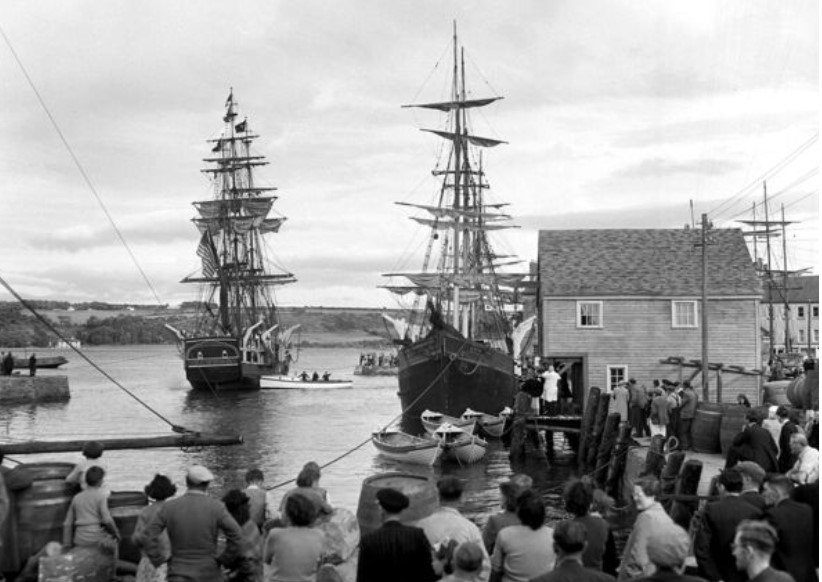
801	335
612	377
800	312
695	310
600	308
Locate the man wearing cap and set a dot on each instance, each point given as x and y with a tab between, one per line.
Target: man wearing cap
667	552
718	528
638	398
570	540
752	549
447	524
193	522
395	551
508	491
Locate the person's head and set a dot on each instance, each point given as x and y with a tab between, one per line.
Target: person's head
753	416
743	400
603	503
160	488
655	383
782	413
198	477
313	466
300	510
686	384
468	558
307	477
236	502
570	537
449	489
578	497
754	542
667	549
513	488
550	367
253	477
776	488
92	450
798	443
645	491
392	501
730	481
632	381
752	474
531	510
95	476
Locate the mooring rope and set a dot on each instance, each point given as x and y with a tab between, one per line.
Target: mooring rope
174	427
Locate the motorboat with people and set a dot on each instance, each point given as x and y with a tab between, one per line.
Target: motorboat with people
303	382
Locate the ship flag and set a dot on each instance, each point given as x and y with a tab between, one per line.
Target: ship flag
206	251
217	147
230	97
240	127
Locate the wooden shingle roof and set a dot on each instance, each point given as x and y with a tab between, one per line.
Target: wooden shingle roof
640	262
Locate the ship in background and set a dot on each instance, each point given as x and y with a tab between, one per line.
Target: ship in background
237	337
457	345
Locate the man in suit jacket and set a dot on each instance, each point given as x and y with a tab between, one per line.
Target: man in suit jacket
718	528
570	539
786	457
795	551
753	443
193	522
752	477
395	551
808	493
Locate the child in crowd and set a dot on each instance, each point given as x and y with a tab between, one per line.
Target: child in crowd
257	507
88	521
92	451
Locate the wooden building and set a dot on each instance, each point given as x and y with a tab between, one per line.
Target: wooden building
614	303
798	305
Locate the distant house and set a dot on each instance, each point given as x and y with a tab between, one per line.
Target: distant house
802	301
614	303
68	343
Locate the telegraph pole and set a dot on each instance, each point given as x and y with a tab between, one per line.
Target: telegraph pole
787	305
705	378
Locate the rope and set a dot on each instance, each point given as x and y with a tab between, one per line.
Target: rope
393	420
48	324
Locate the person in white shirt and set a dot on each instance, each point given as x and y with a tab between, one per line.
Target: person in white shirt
806	469
550	391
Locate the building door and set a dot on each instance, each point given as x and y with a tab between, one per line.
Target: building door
571	384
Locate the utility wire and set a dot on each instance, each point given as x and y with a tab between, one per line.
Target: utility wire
79	166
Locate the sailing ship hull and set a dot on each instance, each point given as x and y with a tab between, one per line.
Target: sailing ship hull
478	376
215	364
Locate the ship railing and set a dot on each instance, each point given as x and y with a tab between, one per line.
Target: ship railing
212	362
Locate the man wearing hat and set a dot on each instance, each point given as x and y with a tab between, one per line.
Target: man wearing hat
753	443
667	552
395	551
193	522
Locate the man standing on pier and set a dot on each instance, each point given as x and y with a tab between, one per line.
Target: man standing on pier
550	391
193	522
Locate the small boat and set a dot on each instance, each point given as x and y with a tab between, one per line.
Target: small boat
297	383
42	362
490	425
460	446
431	421
407	448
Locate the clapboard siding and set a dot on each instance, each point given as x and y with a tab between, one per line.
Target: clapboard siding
637	333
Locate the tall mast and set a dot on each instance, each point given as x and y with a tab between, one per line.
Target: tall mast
787	305
457	179
772	350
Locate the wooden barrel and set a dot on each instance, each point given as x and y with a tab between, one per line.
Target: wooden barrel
776	392
803	392
420	490
733	419
125	508
705	428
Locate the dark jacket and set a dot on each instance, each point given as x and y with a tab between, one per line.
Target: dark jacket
786	457
600	553
572	571
795	552
713	541
669	576
754	498
753	443
808	493
396	552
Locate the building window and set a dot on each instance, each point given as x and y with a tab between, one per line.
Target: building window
816	336
589	313
815	311
800	312
801	336
683	313
616	374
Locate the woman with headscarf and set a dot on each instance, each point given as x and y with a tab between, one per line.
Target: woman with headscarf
158	490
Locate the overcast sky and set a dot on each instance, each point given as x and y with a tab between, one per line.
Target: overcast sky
617	113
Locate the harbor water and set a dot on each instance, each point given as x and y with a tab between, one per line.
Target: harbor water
282	429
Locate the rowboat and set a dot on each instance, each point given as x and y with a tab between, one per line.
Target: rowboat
431	421
296	383
490	425
407	448
460	446
41	362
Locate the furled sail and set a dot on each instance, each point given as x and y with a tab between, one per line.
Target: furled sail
451	105
485	142
447	224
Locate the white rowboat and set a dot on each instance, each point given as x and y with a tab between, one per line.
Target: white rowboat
407	448
294	383
460	446
431	421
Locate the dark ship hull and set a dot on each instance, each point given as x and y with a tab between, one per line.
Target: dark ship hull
215	364
479	376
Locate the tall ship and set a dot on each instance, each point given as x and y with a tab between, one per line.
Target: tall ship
237	337
455	346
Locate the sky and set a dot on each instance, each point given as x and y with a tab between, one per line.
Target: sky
617	114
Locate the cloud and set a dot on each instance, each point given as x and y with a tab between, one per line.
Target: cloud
668	169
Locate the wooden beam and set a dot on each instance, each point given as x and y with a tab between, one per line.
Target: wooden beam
171	441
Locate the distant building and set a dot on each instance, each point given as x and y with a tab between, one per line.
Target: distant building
614	303
66	344
802	301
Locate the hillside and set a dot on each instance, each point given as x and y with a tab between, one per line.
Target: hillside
104	324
